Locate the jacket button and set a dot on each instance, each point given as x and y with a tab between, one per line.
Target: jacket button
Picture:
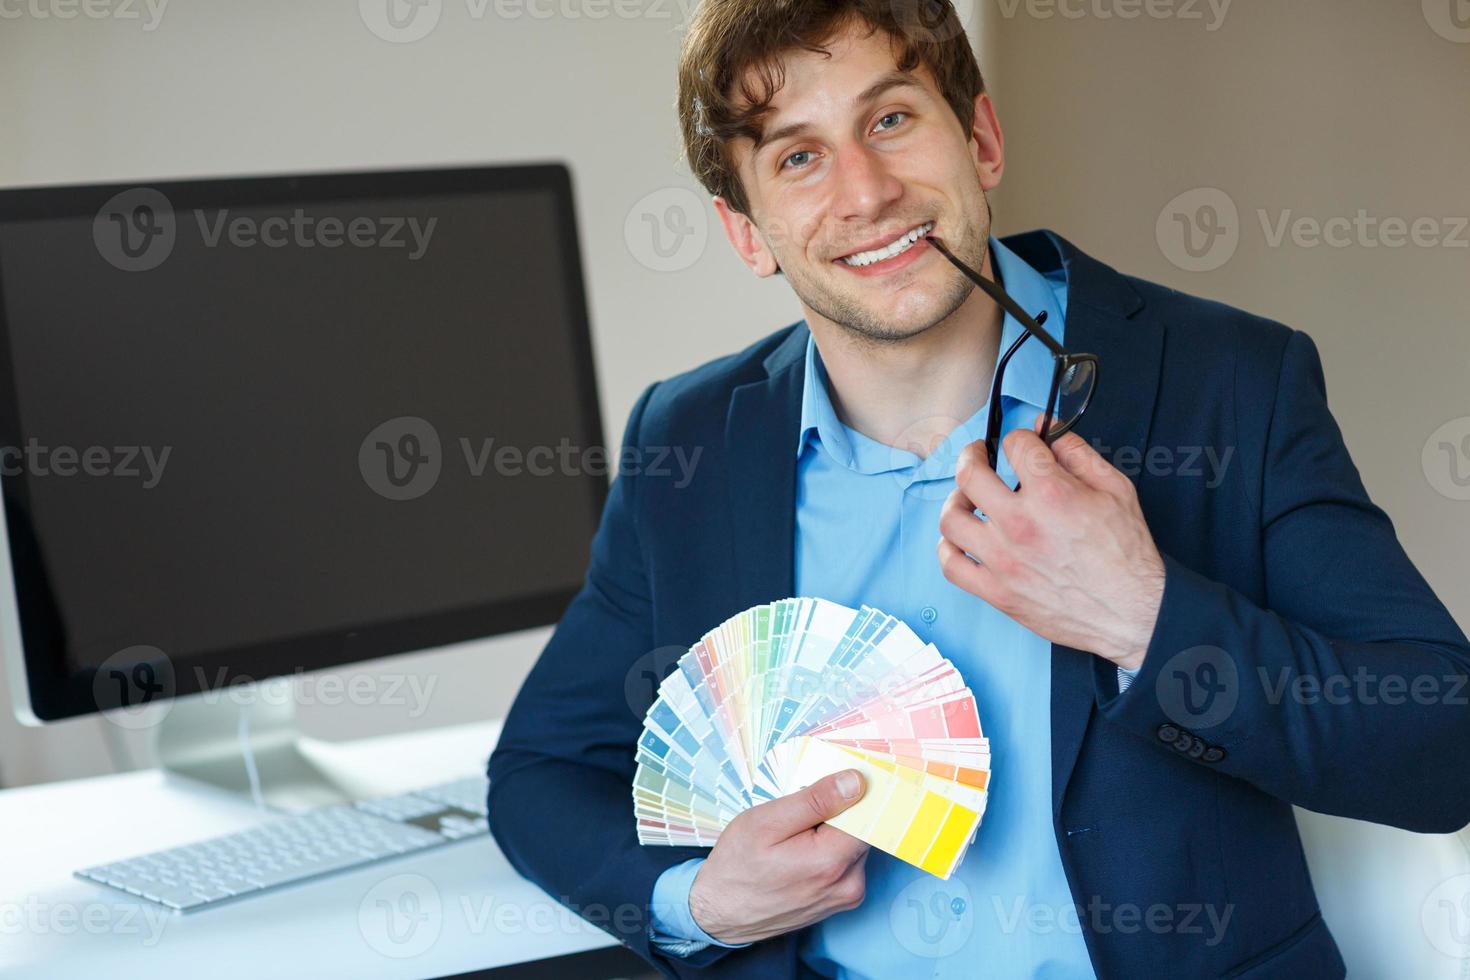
1213	754
1168	733
1196	747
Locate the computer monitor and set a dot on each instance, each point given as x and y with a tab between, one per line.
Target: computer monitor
255	426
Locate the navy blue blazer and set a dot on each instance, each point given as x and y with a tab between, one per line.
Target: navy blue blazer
1280	570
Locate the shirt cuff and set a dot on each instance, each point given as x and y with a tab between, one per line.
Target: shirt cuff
671	925
1125	679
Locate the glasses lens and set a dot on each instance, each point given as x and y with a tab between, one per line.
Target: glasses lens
1074	392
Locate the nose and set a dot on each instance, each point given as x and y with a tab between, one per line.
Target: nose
865	187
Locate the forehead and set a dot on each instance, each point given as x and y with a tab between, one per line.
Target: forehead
815	84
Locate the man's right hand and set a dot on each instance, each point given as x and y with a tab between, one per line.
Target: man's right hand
779	867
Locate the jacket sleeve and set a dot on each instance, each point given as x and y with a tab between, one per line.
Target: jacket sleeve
560	796
1348	694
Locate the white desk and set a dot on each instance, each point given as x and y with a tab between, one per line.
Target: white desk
452	910
1375	885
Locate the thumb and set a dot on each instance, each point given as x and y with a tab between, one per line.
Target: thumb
796	812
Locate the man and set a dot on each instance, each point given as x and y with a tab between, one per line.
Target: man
1133	619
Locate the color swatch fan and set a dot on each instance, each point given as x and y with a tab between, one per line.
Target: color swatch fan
782	694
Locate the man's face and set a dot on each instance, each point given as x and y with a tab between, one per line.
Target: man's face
857	161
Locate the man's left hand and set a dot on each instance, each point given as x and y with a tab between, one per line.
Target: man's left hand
1069	556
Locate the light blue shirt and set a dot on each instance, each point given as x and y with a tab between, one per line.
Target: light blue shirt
867	523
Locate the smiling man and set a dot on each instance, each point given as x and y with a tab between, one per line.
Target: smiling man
1125	629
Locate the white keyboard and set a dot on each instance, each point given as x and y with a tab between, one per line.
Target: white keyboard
301	846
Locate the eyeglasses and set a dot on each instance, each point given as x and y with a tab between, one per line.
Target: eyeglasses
1073	379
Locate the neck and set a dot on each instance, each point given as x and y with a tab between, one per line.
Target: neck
911	394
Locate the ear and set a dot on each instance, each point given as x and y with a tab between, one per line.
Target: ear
987	143
746	239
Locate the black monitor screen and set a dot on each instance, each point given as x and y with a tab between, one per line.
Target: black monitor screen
279	424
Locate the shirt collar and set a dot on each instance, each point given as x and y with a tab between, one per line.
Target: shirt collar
1027	379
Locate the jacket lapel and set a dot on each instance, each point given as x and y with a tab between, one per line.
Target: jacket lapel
761	429
1102	319
760	443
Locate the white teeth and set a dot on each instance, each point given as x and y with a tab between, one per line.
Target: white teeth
901	244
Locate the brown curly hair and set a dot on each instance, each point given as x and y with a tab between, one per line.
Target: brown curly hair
729	38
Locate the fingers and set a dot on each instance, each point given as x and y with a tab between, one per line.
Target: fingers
960	526
961	570
1032	459
978	481
794	813
1085	464
832	860
851	888
836	848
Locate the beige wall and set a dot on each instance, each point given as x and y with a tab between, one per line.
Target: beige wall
1310	109
220	87
1319	107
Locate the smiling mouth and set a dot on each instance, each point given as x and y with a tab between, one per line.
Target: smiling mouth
896	247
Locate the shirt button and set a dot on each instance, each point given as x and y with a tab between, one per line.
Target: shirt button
928	614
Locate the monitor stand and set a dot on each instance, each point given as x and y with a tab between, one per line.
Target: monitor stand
200	739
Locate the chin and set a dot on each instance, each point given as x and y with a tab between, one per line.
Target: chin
911	318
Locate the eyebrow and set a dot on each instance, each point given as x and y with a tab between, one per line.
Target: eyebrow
892	80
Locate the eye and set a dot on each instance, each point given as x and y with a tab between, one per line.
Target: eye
894	116
785	164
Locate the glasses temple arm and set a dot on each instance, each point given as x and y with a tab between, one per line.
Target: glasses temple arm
1001	297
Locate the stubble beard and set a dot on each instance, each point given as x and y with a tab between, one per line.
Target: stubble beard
863	327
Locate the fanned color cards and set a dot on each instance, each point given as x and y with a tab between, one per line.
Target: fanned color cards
782	694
